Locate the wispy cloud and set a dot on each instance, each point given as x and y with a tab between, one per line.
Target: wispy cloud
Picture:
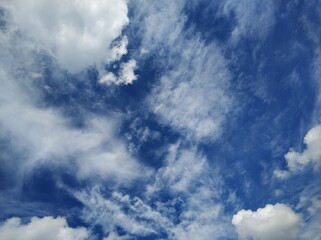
253	19
192	95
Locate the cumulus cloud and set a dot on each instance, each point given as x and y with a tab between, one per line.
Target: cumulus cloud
297	161
41	228
76	33
271	222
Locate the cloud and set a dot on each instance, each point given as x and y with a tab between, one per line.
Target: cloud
43	135
76	33
41	228
120	211
193	98
192	190
254	18
196	188
297	161
126	74
192	94
271	222
183	169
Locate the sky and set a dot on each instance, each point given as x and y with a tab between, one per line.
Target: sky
137	119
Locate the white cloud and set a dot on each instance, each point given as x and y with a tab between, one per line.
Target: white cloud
108	78
43	134
126	74
120	49
77	33
192	94
41	228
297	161
278	222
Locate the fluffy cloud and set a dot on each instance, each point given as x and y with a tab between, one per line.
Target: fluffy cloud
271	222
77	33
41	228
297	161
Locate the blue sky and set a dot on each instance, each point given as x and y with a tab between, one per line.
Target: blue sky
160	120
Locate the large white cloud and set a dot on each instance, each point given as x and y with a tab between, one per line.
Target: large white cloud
76	32
41	228
277	222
